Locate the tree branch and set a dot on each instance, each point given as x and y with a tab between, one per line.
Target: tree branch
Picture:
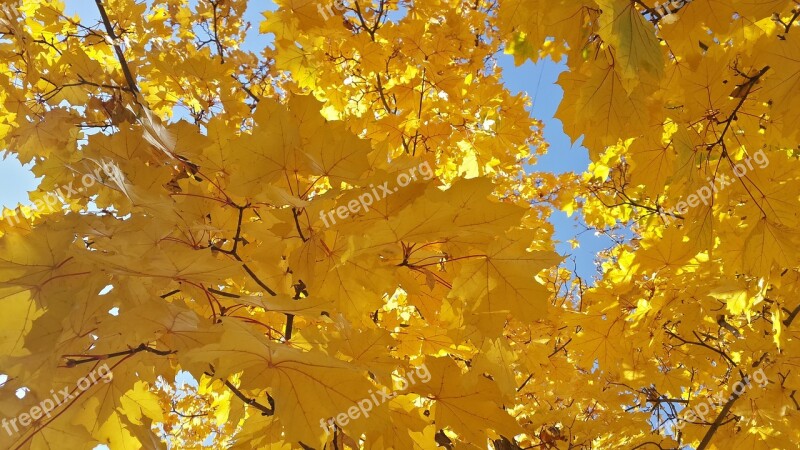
718	422
297	224
549	356
251	401
120	55
788	321
214	6
93	358
234	252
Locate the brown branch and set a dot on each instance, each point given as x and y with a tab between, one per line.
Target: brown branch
214	5
656	15
234	252
363	21
702	344
246	89
383	95
255	277
297	225
648	10
186	416
419	112
120	55
788	321
287	334
93	358
170	293
718	422
648	443
238	236
223	293
299	291
83	82
549	356
746	88
265	411
788	25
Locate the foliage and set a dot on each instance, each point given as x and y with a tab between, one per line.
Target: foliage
212	257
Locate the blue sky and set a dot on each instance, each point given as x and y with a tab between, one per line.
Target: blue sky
537	80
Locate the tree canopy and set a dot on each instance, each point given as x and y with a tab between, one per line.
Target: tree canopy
353	216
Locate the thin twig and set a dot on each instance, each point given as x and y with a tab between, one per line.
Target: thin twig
94	358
